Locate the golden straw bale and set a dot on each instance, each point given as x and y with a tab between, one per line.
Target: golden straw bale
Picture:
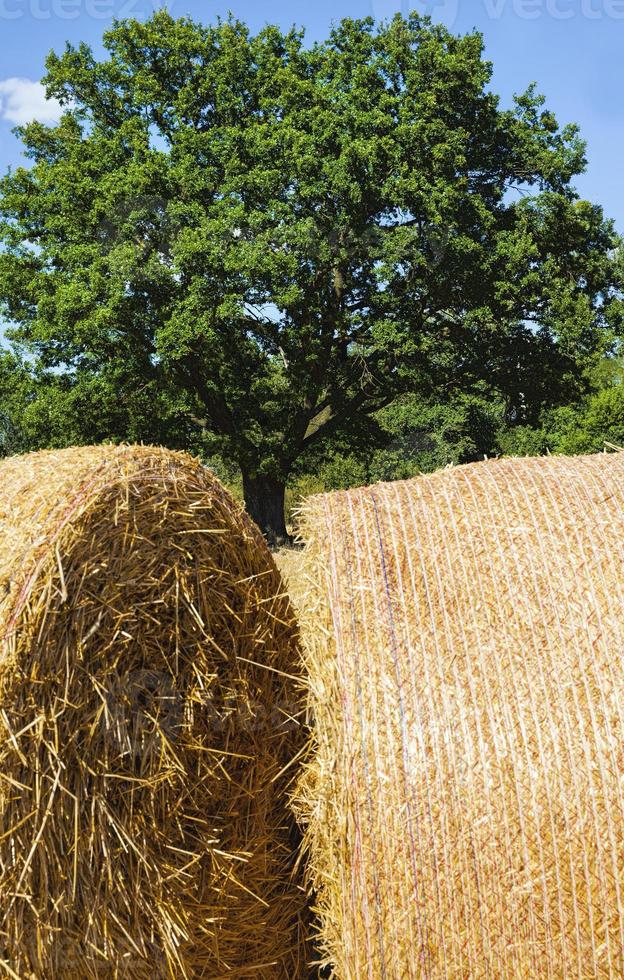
148	725
464	644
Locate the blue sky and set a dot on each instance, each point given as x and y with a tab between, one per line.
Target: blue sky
574	49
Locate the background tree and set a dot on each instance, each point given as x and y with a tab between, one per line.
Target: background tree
278	240
42	408
583	425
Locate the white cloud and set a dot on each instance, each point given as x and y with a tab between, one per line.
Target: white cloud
21	101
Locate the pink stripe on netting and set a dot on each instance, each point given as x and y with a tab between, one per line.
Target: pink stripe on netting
368	585
479	687
505	738
438	523
474	655
372	787
337	605
425	954
428	548
434	708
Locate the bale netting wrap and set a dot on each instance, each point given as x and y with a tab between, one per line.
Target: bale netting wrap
464	640
148	725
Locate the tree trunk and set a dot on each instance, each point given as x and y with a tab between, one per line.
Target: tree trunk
264	499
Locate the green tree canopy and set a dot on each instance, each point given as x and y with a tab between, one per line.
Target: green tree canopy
278	239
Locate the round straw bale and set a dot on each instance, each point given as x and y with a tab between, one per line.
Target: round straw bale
464	637
148	722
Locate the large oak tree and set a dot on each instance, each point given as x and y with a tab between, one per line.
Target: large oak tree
280	238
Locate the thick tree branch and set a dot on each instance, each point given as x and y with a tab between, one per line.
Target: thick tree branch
333	423
216	407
